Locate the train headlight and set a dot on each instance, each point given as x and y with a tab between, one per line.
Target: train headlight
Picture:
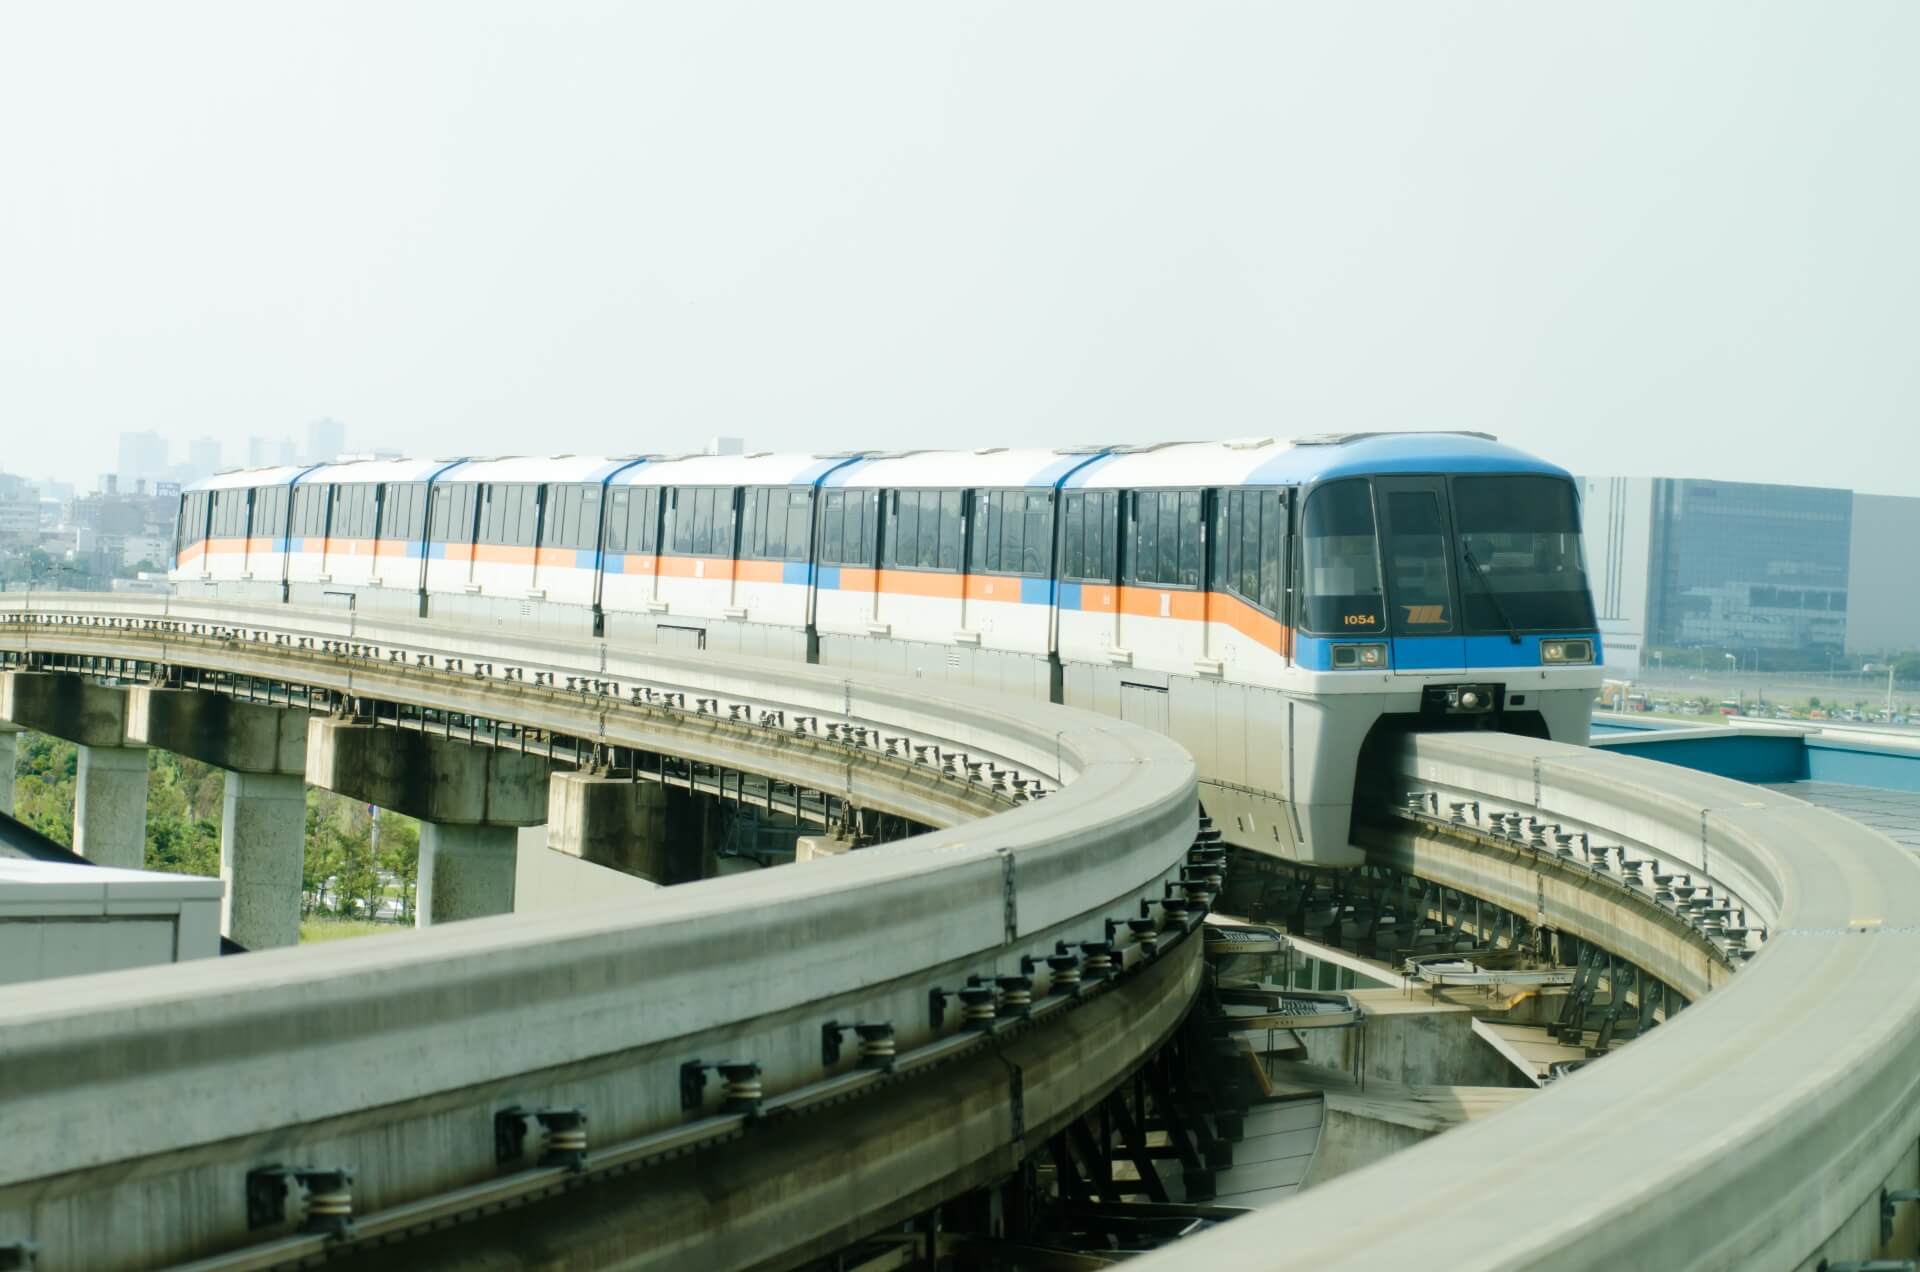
1566	651
1362	657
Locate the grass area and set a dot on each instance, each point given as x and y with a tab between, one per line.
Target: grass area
316	928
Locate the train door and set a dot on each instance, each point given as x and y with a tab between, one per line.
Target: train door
1162	612
1087	602
920	582
1415	536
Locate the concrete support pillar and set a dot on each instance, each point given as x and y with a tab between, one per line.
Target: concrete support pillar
615	822
470	800
466	872
110	806
9	760
263	832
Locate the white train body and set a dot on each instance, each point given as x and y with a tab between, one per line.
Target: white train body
1268	604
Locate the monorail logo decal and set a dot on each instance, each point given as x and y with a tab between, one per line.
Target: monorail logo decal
1425	614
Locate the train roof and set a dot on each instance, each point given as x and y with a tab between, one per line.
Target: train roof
249	478
995	467
371	470
540	468
767	468
1266	461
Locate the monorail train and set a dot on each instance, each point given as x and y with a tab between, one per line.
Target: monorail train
1266	603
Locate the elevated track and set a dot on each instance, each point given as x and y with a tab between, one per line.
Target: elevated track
1761	1127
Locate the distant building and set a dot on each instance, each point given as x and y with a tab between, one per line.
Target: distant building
203	460
19	510
326	439
270	452
1768	573
154	549
143	457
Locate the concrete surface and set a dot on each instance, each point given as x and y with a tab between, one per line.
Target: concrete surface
72	920
65	705
620	824
9	767
1408	1038
1370	1121
228	733
548	880
110	806
433	779
263	830
466	872
393	1053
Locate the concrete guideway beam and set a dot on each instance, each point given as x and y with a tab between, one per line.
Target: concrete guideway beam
161	1094
66	705
433	779
238	736
1756	1129
614	822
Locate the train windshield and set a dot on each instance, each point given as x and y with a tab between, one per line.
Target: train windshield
1340	556
1520	562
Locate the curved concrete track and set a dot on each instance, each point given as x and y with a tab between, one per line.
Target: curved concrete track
1755	1130
135	1105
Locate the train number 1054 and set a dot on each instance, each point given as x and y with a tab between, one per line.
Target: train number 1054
1362	620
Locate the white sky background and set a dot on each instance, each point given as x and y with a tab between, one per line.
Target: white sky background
1641	238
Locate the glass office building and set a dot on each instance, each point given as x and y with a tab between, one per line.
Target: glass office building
1770	573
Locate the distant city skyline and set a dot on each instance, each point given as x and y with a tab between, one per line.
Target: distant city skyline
1639	239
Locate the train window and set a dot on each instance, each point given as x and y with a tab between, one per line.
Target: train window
702	518
403	511
1341	561
832	517
1416	552
701	542
509	514
633	519
1167	543
1012	532
310	511
1249	552
354	511
924	531
572	517
1519	554
774	524
903	550
1087	539
453	509
847	527
929	554
193	517
270	514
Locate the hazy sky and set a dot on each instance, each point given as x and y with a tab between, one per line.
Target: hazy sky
1644	238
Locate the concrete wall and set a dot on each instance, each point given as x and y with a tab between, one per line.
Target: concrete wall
1403	1038
70	920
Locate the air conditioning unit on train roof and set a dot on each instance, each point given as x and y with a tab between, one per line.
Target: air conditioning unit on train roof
1248	443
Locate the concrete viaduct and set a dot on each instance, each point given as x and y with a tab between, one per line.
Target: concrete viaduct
1765	1126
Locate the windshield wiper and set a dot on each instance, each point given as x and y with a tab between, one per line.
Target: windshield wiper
1500	611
